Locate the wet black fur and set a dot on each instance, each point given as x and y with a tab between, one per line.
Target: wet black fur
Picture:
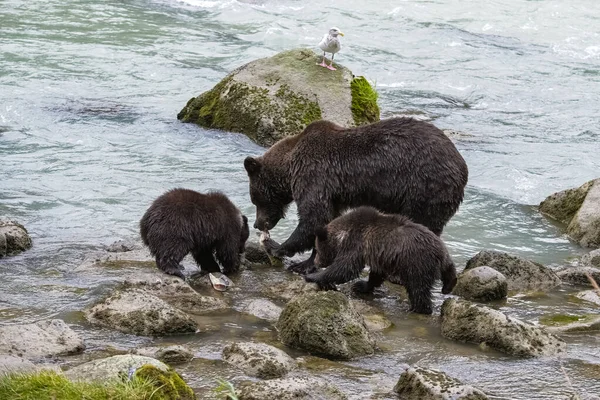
399	165
397	250
182	221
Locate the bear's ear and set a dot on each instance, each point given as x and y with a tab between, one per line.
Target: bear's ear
321	233
252	165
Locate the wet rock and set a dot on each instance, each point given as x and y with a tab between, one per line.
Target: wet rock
139	313
175	354
521	274
290	289
375	320
176	292
325	323
481	284
254	253
591	259
561	323
578	275
259	360
579	209
270	98
591	296
122	246
429	384
42	339
294	388
14	238
263	309
15	365
468	322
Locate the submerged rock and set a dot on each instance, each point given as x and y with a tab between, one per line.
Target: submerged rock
263	309
274	97
481	284
429	384
168	354
259	360
375	320
521	274
579	209
14	238
295	388
561	323
591	296
579	275
325	323
42	339
139	313
468	322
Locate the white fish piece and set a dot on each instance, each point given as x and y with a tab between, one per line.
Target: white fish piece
219	281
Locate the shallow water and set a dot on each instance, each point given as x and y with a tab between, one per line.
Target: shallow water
88	138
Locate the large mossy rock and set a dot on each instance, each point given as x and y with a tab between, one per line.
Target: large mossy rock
579	209
325	323
14	238
472	323
429	384
274	97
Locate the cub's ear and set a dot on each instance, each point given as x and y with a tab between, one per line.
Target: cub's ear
321	233
252	165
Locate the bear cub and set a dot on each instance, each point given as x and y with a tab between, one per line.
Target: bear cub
181	221
397	250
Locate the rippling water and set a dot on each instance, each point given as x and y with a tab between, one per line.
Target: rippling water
89	92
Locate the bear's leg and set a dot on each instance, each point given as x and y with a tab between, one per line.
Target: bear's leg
419	295
375	280
448	276
205	260
305	267
342	270
228	255
169	263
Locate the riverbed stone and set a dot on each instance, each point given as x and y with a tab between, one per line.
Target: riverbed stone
41	339
521	274
259	359
579	209
255	253
137	312
591	296
481	284
292	388
375	320
591	259
578	275
474	323
174	354
325	323
14	238
263	309
270	98
429	384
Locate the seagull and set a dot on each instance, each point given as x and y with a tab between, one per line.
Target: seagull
330	44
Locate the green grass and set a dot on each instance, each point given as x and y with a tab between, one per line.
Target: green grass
52	386
225	390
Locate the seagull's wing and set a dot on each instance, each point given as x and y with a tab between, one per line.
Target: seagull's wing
323	44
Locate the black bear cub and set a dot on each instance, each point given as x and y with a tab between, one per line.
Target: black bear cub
181	221
397	250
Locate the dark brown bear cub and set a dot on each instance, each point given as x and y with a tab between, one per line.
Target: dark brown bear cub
397	250
182	221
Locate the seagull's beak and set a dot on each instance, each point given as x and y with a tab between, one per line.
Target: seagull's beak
341	33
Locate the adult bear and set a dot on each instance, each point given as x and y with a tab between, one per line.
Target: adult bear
181	221
397	250
399	165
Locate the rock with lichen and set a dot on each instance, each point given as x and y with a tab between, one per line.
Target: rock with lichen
293	388
579	210
578	275
591	259
473	323
429	384
325	323
259	359
521	274
274	97
481	284
14	238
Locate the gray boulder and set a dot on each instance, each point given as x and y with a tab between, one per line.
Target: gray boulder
590	296
293	388
115	367
591	259
263	309
274	97
429	384
259	360
137	312
579	209
468	322
15	365
481	284
325	323
578	275
41	339
14	238
521	274
175	354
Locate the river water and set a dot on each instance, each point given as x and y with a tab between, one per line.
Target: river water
89	93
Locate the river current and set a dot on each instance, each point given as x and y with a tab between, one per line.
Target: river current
89	93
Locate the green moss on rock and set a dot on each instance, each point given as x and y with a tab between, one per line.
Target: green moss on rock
563	206
168	385
364	101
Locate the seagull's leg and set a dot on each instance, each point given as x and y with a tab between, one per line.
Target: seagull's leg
323	62
330	66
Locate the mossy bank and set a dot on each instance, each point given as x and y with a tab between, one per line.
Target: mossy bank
270	98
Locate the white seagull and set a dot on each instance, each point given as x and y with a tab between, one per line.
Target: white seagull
330	44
